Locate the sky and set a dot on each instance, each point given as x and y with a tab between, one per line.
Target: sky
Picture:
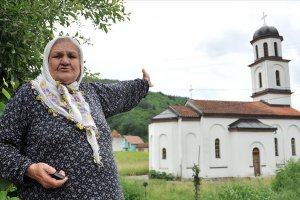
195	49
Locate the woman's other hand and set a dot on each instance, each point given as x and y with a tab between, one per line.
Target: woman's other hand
147	77
41	173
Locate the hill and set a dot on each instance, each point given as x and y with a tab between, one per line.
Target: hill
135	121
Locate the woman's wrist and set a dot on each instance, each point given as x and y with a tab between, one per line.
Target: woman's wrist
30	170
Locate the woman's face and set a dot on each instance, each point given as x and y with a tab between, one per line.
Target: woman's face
64	62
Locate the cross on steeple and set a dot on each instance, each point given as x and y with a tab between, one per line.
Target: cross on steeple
264	18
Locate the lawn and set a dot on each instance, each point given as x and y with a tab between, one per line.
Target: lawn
132	163
136	163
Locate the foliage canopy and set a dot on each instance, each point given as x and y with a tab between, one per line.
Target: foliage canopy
26	26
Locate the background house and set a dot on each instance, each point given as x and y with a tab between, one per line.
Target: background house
117	141
144	147
130	142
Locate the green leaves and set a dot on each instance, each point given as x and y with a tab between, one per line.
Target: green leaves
5	188
6	93
26	26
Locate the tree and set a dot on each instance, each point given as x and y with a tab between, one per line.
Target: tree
26	26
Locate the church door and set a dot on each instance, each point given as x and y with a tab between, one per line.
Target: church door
256	161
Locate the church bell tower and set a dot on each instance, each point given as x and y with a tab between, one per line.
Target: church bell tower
269	71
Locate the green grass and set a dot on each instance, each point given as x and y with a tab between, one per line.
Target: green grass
132	163
281	187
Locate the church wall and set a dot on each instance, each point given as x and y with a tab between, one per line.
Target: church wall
255	79
243	144
271	51
184	140
279	99
293	132
164	135
280	159
191	148
213	128
289	128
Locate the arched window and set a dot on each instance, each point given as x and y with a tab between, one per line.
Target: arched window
293	143
256	51
277	78
260	80
266	52
275	49
217	148
164	153
276	146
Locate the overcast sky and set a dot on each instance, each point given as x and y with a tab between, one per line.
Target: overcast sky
200	44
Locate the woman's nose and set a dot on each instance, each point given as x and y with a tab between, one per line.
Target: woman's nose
65	60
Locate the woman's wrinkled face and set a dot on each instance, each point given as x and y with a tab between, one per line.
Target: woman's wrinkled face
64	62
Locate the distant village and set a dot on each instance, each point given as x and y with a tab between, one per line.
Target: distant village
128	142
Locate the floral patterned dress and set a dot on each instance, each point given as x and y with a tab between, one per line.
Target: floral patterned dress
29	133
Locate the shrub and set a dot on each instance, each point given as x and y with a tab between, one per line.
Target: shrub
241	192
288	178
7	190
196	181
160	175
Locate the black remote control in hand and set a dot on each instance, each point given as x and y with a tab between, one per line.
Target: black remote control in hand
57	176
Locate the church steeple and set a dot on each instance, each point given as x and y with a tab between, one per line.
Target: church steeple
269	71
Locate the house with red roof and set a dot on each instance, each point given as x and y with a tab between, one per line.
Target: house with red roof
127	142
233	138
132	142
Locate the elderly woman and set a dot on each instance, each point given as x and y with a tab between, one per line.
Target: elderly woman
58	124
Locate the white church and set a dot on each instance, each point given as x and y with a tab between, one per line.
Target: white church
233	138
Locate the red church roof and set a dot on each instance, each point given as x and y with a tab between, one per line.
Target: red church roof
258	108
197	108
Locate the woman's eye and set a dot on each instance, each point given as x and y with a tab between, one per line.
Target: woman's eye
72	56
56	56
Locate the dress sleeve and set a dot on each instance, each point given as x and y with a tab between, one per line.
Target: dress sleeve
13	126
121	96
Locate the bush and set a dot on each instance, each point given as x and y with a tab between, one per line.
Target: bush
288	178
240	192
7	190
160	175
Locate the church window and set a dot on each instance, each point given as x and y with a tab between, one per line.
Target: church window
217	148
256	51
164	153
275	49
293	143
260	79
266	53
276	147
277	78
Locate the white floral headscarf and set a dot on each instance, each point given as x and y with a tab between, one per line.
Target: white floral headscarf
67	100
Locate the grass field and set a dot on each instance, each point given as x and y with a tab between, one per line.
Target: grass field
132	163
136	163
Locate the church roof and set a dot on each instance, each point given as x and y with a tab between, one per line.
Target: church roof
265	32
240	108
184	111
250	124
197	108
173	112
